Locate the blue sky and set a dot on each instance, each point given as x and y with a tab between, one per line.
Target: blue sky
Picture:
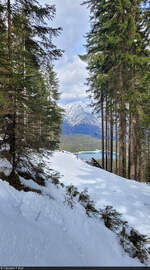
72	73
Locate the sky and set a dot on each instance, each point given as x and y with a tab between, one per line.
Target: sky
71	71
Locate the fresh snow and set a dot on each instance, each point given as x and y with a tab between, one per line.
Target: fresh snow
128	197
42	230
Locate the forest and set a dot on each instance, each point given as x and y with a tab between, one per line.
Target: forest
118	63
55	208
30	117
118	58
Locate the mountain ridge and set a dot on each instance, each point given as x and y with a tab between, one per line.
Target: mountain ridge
79	119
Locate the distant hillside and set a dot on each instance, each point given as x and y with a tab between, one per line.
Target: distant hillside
78	119
83	129
77	142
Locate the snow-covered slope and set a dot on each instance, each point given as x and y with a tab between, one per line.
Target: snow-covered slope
129	197
38	231
42	230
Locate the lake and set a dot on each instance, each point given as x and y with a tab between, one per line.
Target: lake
87	155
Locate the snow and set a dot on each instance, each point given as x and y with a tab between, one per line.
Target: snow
128	197
42	230
79	112
5	166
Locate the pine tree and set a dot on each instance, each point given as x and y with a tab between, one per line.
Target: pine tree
117	48
31	105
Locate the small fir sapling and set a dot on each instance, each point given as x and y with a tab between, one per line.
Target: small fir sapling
88	204
71	192
132	241
55	178
111	217
84	197
90	208
139	241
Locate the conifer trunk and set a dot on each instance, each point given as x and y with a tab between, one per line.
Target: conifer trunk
129	147
102	116
12	115
111	141
13	148
116	142
122	129
139	150
122	146
106	137
139	165
9	29
133	157
108	142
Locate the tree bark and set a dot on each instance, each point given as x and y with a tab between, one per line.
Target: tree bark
111	142
133	156
122	129
102	115
106	137
12	115
139	150
116	138
129	147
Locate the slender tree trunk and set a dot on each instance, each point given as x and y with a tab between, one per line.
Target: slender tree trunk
122	146
106	137
116	138
122	130
139	150
111	141
135	138
25	114
9	29
133	157
139	165
14	142
129	147
136	148
12	115
102	116
108	143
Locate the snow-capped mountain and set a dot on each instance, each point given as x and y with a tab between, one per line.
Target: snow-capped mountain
78	119
79	112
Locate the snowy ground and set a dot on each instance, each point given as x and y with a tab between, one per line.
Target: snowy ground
128	197
42	230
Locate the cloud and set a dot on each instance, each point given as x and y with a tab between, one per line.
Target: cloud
72	74
74	19
72	78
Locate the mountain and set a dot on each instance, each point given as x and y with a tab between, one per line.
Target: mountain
78	119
